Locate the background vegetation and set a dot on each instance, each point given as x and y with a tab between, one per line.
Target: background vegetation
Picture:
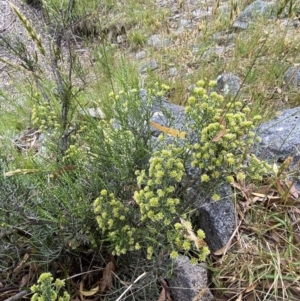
95	200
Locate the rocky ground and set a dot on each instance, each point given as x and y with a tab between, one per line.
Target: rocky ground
186	40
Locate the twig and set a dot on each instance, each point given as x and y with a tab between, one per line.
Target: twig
129	287
17	296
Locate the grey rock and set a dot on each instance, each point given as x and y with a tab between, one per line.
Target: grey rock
173	72
121	39
228	84
185	23
217	50
240	24
223	38
158	41
140	55
218	219
150	65
168	115
189	280
256	8
201	13
292	78
280	137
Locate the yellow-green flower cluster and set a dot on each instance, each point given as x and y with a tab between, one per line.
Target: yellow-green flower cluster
220	146
44	117
160	90
125	101
45	289
72	153
113	219
184	239
155	199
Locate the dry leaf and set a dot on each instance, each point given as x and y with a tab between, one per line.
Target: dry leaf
251	287
292	188
222	132
25	279
256	199
91	292
162	296
219	135
20	264
260	195
280	187
106	280
243	189
169	131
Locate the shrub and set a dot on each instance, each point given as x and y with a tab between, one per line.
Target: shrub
107	183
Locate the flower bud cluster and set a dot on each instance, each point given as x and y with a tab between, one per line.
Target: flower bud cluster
45	289
221	129
155	199
72	153
126	101
185	239
113	219
44	117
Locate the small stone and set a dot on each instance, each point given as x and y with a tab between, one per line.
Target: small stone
185	23
140	55
121	39
257	8
292	78
188	280
173	72
150	65
158	41
228	84
217	50
200	13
